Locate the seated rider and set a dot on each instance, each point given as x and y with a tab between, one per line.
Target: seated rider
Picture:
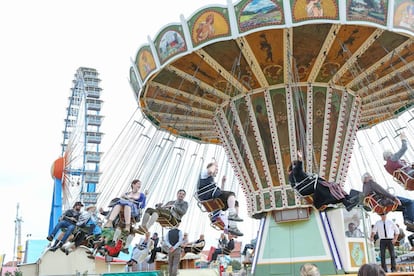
176	209
324	192
384	198
226	250
197	246
67	221
207	189
131	202
394	161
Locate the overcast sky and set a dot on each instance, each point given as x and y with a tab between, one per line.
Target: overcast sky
43	43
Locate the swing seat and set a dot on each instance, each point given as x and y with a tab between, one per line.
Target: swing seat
165	219
402	177
218	224
211	205
376	206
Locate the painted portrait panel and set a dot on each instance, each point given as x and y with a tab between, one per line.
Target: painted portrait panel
145	62
170	43
314	9
253	14
209	24
404	14
372	11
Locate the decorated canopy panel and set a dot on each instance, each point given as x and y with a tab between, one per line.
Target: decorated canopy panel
266	78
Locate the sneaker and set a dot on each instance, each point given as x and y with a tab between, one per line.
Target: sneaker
235	231
234	217
50	238
125	250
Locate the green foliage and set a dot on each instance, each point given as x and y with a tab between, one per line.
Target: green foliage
236	265
15	273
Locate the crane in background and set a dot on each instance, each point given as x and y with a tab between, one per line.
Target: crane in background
17	247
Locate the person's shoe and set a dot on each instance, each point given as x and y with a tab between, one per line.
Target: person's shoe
65	250
234	217
125	250
150	261
367	208
91	256
235	231
349	205
57	245
50	238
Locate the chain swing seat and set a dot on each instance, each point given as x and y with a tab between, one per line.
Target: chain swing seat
218	223
166	219
211	204
374	202
403	178
304	193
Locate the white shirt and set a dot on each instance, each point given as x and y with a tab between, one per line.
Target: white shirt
392	229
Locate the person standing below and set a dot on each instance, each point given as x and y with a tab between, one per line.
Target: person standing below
176	209
173	241
68	220
388	234
207	189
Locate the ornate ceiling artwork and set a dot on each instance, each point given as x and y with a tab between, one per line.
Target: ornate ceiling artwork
266	78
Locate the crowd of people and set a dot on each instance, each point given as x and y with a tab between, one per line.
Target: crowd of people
127	217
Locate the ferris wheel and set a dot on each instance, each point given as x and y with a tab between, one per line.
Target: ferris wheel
76	171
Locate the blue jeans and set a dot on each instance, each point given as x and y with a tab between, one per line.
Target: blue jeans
407	208
64	224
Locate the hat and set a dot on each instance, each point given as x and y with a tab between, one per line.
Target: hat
78	203
90	207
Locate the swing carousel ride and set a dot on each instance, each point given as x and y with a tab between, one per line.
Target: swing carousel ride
265	79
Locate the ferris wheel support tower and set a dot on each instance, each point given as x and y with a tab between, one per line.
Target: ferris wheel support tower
76	173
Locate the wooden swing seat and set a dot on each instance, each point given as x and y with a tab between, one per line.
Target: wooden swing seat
402	177
211	205
165	219
218	224
376	207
